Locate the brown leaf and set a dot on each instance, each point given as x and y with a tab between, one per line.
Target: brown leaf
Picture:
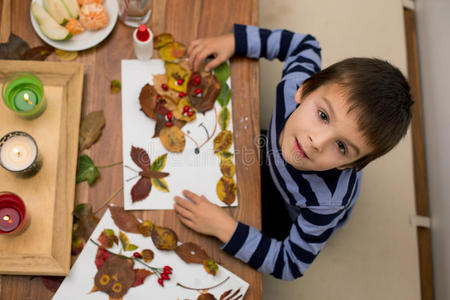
140	275
14	48
115	276
164	238
160	124
91	129
172	139
140	157
158	81
147	255
141	189
223	141
147	100
206	296
226	190
107	238
191	253
38	53
227	167
153	174
52	282
210	88
124	220
146	228
84	221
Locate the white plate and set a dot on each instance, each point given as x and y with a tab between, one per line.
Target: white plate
84	40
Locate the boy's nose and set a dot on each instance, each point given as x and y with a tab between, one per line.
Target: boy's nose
319	142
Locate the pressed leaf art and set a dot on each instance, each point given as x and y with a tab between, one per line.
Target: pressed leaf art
149	174
112	273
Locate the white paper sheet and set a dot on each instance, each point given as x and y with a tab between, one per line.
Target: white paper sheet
196	172
80	281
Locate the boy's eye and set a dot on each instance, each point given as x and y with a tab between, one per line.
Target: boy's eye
323	116
341	147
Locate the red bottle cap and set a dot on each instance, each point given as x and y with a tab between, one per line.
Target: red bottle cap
142	33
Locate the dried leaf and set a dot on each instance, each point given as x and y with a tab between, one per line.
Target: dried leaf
223	141
159	163
160	184
38	53
66	55
147	255
178	113
191	253
164	238
91	129
172	52
14	48
210	88
222	72
145	228
107	238
86	170
126	242
224	95
206	296
52	282
158	81
84	221
162	39
160	125
224	118
77	245
227	167
141	189
140	157
172	139
226	190
175	72
101	256
147	100
116	86
115	276
126	221
211	267
225	154
140	275
153	174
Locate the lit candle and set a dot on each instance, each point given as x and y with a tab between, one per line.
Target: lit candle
23	93
13	215
18	152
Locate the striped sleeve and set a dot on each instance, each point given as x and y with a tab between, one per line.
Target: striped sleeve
301	52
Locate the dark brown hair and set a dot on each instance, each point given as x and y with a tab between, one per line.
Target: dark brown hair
380	94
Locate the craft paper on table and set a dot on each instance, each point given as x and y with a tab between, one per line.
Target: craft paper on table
199	173
79	283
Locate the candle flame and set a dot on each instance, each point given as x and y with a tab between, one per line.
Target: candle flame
16	152
7	219
26	97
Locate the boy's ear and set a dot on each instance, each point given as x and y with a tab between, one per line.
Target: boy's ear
298	94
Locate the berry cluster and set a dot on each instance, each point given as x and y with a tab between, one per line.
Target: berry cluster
162	273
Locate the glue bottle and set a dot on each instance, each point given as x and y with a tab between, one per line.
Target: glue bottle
143	42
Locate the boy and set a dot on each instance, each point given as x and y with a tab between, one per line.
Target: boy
326	126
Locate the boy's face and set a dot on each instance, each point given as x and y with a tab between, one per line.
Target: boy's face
321	134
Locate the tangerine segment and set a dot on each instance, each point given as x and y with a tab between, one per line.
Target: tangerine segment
94	16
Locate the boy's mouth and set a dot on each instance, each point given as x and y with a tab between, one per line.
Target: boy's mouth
299	150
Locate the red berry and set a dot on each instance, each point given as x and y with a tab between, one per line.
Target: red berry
137	255
197	80
169	124
190	113
160	281
180	81
169	116
158	97
181	94
165	276
186	108
197	91
167	269
164	87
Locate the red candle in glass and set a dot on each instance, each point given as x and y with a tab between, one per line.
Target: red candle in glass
13	214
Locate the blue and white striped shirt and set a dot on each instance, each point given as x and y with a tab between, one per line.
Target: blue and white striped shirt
318	202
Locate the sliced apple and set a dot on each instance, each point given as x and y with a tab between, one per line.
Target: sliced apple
56	9
72	7
48	25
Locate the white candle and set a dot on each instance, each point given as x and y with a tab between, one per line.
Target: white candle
18	153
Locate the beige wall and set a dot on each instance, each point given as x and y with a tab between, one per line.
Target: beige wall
375	255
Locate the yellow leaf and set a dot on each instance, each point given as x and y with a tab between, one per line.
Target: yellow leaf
66	55
226	190
161	40
172	52
159	163
172	139
160	184
227	167
223	141
224	118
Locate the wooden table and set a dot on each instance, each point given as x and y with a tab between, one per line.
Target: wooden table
186	20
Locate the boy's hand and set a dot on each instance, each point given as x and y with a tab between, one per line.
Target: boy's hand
197	213
221	47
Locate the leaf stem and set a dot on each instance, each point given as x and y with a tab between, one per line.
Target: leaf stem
202	289
109	199
110	165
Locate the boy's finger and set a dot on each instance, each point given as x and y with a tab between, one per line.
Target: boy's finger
190	195
186	203
193	44
213	63
186	221
183	211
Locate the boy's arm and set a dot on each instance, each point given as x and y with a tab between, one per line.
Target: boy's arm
301	52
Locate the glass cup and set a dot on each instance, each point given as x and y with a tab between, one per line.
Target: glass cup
134	12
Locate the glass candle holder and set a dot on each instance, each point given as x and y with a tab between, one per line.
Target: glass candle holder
14	218
23	93
19	153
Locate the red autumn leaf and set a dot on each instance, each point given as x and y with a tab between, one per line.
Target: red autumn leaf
77	246
107	238
140	158
126	221
191	253
101	256
141	189
52	282
140	275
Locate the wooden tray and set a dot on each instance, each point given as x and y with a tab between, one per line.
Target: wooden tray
44	248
